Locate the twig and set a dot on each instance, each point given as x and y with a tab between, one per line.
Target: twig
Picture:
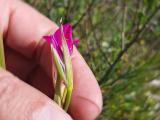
102	21
123	27
136	20
98	43
134	40
83	14
67	8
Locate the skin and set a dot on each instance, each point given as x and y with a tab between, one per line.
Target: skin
26	86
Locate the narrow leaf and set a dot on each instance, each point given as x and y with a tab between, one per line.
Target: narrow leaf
2	57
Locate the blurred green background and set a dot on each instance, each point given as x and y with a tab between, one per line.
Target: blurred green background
120	40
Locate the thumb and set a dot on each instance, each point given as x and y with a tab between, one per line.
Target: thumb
20	101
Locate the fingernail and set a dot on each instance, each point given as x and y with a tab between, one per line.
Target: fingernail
50	112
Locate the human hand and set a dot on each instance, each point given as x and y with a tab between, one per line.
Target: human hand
28	58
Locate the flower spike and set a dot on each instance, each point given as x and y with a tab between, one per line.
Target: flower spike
61	43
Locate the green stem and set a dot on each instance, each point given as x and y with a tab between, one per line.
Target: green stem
58	96
2	57
64	96
68	98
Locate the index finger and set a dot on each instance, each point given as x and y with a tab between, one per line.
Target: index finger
23	29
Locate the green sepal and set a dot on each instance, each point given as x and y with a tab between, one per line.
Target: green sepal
58	63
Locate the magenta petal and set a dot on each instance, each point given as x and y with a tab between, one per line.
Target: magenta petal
53	41
47	38
67	29
57	37
70	45
56	41
76	41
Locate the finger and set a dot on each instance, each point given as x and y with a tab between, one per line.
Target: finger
27	39
86	101
20	101
41	81
27	42
18	64
23	67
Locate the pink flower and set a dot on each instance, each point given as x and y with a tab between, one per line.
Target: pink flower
56	40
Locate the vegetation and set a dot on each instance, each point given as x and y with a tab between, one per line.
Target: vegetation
120	41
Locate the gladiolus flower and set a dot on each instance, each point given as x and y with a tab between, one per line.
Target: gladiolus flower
62	47
56	39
